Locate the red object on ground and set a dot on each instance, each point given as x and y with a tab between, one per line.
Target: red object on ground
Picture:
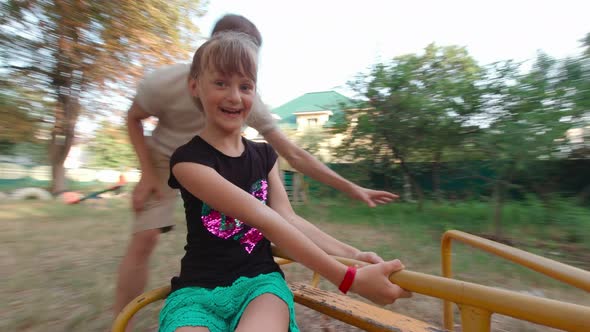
122	180
71	197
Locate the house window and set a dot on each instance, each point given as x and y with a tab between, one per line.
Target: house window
313	122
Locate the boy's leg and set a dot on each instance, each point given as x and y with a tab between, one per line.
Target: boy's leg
156	217
133	269
267	312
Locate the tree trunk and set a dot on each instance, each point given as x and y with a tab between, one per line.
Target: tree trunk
407	189
584	195
62	138
415	186
436	176
543	194
58	178
67	86
498	203
406	170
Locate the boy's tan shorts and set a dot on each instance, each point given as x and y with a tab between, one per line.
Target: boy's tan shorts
158	214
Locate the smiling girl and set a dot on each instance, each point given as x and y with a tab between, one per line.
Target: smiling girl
235	205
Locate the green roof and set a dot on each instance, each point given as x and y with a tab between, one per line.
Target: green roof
312	102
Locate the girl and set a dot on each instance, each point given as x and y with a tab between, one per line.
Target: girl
235	205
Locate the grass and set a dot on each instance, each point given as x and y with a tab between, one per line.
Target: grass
59	262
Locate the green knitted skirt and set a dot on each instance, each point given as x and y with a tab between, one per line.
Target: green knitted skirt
220	309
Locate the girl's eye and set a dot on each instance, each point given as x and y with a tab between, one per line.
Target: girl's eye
219	83
246	87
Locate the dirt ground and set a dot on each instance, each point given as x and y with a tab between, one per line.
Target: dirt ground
59	268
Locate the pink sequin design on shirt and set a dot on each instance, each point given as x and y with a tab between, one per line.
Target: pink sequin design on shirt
226	227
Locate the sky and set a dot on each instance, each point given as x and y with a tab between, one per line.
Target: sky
319	45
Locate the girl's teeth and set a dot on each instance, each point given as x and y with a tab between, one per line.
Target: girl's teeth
231	112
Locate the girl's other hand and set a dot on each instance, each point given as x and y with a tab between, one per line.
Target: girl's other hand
369	257
371	197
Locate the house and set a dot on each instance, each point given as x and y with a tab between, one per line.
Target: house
312	110
578	143
308	120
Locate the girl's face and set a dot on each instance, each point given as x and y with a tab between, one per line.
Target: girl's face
227	99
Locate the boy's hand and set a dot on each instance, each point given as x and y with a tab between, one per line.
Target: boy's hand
372	282
148	185
372	197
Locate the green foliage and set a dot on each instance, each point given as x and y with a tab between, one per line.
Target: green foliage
527	218
20	111
30	153
529	115
440	106
586	44
416	105
111	148
21	120
415	108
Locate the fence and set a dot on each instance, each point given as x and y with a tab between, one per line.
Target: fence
13	173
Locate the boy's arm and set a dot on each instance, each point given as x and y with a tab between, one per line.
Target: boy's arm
307	164
371	281
149	181
279	201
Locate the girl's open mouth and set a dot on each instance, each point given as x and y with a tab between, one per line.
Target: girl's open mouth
224	110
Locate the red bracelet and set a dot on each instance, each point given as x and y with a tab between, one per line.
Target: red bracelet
348	279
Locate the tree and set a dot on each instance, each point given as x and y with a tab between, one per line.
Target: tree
586	44
20	111
575	82
111	148
528	114
447	83
415	107
73	48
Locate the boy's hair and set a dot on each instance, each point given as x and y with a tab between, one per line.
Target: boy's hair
233	22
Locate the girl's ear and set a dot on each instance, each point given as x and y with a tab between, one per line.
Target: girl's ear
193	85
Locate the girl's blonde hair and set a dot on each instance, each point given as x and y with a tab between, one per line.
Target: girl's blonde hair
228	53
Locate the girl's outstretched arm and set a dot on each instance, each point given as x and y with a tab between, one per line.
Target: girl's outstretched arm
279	201
307	164
371	282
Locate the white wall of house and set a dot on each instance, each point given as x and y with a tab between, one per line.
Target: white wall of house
312	119
327	146
578	135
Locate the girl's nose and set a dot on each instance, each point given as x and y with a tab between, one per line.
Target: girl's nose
234	94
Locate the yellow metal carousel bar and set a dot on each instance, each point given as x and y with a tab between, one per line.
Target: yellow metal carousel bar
563	272
134	306
477	302
561	315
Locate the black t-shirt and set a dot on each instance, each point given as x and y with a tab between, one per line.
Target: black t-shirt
219	248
